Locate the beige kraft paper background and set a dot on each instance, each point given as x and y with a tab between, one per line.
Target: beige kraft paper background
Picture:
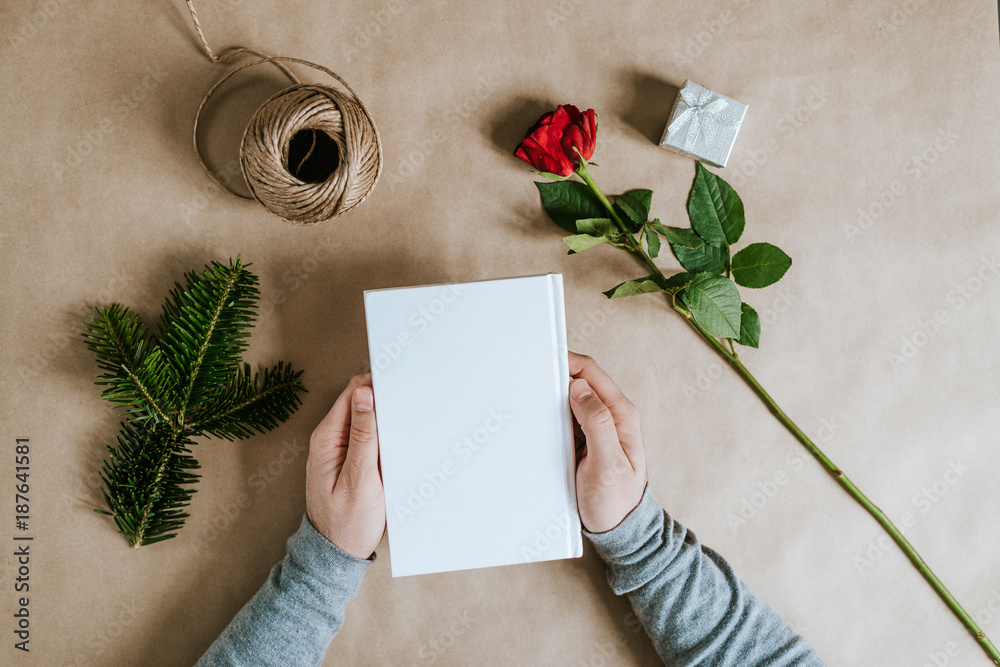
868	153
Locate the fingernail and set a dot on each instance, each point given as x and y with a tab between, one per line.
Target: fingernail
363	400
579	389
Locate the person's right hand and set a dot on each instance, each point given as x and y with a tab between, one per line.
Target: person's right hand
611	468
344	497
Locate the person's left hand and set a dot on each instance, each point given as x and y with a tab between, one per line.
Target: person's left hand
344	498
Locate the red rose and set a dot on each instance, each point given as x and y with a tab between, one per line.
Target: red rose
549	145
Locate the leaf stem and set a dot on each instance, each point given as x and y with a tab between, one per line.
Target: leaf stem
632	245
857	494
842	479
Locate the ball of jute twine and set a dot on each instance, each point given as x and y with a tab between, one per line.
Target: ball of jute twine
330	127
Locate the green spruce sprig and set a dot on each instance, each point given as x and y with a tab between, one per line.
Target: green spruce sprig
186	381
706	295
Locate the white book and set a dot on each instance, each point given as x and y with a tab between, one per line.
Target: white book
475	432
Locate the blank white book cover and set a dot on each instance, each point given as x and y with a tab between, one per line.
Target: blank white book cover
475	432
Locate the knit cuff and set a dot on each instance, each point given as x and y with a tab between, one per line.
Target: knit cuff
316	557
634	531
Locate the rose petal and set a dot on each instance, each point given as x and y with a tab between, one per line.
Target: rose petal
589	124
573	138
542	147
542	161
572	112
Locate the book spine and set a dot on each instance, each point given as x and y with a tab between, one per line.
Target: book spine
557	305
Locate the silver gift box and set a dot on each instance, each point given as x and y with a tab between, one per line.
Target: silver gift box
703	124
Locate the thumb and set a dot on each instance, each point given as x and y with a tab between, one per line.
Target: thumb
596	422
362	447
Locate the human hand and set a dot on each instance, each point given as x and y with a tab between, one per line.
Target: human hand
611	462
344	498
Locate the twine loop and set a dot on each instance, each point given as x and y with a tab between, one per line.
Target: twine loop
311	152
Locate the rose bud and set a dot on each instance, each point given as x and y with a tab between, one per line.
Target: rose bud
551	145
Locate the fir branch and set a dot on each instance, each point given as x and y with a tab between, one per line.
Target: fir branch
117	337
204	329
144	396
254	402
144	481
200	357
193	368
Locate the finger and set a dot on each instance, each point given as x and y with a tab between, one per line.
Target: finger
362	451
624	411
587	368
341	410
597	423
333	431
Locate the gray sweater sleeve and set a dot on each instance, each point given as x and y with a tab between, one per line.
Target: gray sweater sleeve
689	599
692	604
293	617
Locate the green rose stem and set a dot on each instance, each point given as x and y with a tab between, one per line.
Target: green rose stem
732	358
